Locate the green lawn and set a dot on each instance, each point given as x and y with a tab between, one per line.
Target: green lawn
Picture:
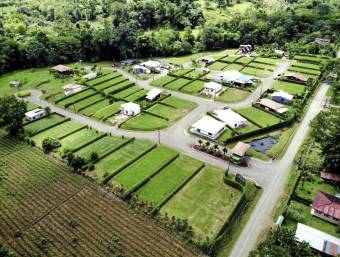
145	122
111	82
88	111
78	139
258	116
303	58
256	72
230	59
165	111
261	66
57	131
126	92
145	167
169	180
136	96
102	79
231	95
226	134
43	123
233	66
180	72
194	74
248	128
306	65
179	103
162	81
86	102
194	87
244	60
217	66
206	201
118	87
177	84
31	106
76	97
267	60
108	111
289	87
118	159
305	71
101	147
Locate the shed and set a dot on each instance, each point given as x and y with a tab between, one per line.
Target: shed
282	97
71	89
153	94
295	77
207	60
279	53
141	69
246	49
15	84
240	149
208	127
231	118
130	109
212	88
318	240
91	75
62	69
151	64
34	114
270	104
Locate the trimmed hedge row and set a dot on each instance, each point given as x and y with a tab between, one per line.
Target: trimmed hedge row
111	85
90	142
66	97
182	75
120	89
146	180
258	106
108	178
103	80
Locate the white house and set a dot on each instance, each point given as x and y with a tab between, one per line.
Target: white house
231	118
153	94
151	64
130	109
71	89
141	69
91	75
35	114
208	127
212	88
233	77
318	240
207	60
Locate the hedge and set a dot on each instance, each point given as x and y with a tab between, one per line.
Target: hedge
90	142
103	80
65	97
82	108
156	115
111	85
258	106
108	178
47	128
121	89
146	180
81	99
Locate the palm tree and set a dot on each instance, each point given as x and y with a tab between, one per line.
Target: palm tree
207	144
216	149
200	142
225	150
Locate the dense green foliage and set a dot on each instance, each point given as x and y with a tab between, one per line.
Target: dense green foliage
39	33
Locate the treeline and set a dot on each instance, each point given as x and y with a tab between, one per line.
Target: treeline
40	33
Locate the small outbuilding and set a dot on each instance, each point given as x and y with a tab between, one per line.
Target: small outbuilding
208	127
14	84
130	109
91	75
279	53
212	88
151	64
282	97
62	70
153	94
295	77
35	114
240	149
71	89
246	49
231	118
141	69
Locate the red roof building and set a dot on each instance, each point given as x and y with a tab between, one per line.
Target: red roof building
327	207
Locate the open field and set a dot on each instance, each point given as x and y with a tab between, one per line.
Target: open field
258	116
41	198
205	201
289	87
194	74
41	124
180	72
270	61
169	180
145	122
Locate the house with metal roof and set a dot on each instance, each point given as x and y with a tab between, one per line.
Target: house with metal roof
272	105
71	89
231	118
153	94
34	114
282	97
130	109
234	77
295	77
208	127
212	88
327	207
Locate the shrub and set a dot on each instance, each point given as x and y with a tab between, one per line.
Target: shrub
49	144
94	156
24	93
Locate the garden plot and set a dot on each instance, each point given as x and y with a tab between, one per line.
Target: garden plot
136	96
289	87
108	111
93	108
43	123
162	186
79	139
206	202
86	102
102	147
145	122
233	66
102	79
141	170
118	87
177	84
163	81
258	116
127	92
167	112
194	87
78	96
217	66
117	160
231	95
110	83
58	132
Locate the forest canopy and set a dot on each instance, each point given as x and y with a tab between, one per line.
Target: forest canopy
40	33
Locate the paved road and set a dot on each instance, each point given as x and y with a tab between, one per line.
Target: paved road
272	193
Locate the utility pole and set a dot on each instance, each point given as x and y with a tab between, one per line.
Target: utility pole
159	136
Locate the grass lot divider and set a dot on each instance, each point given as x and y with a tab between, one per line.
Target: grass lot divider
188	83
175	78
146	180
84	107
108	178
301	199
159	206
122	98
301	66
92	141
168	105
182	75
220	59
258	106
156	115
52	126
81	99
121	89
77	130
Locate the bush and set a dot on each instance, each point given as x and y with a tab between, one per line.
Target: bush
24	94
94	156
49	144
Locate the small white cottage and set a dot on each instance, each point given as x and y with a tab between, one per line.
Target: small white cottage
91	75
130	109
71	89
34	114
212	88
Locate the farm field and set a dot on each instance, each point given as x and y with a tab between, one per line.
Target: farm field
145	122
162	186
258	116
289	87
205	201
49	197
41	124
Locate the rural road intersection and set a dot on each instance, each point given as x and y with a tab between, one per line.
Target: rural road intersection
271	175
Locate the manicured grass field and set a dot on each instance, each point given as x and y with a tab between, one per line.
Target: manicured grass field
126	92
177	84
244	60
101	146
248	128
169	180
78	139
205	201
165	111
87	101
303	58
136	96
225	135
75	97
230	95
180	72
145	167
233	66
256	72
162	81
111	82
43	123
108	111
31	106
179	103
258	116
230	59
118	87
118	159
194	87
145	122
102	79
194	74
217	66
306	65
266	60
57	132
289	87
88	111
261	66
